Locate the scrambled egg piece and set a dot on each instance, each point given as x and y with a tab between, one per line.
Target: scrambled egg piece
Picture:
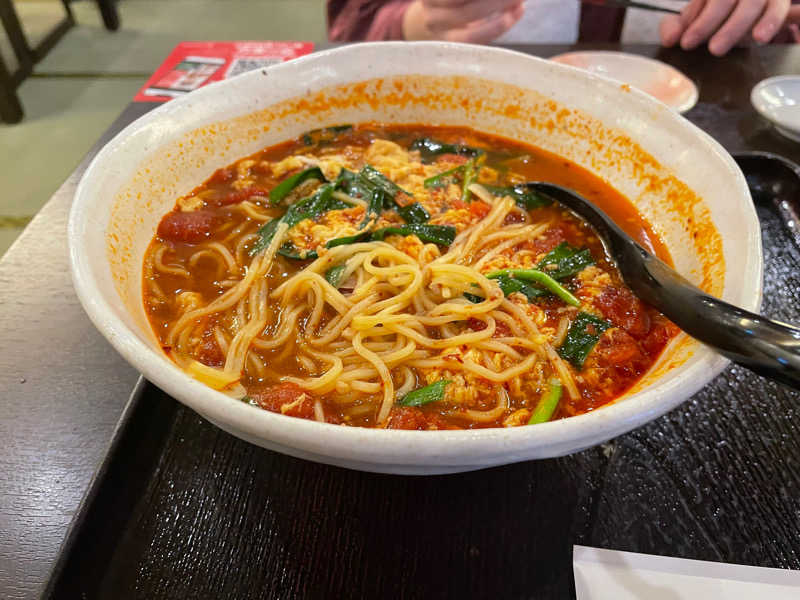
468	390
187	301
465	390
593	281
331	166
310	234
244	180
287	165
190	203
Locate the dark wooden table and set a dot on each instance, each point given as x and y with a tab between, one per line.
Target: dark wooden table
183	510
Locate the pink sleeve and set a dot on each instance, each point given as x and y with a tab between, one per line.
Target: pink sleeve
368	20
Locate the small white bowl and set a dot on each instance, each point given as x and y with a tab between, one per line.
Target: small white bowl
679	178
652	76
777	99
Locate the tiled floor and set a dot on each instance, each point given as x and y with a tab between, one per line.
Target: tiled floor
83	84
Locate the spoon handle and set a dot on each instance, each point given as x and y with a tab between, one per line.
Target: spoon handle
768	347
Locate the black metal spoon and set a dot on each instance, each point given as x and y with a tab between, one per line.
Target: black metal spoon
770	348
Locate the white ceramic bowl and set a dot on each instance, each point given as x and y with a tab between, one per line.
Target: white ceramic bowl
777	99
662	81
680	179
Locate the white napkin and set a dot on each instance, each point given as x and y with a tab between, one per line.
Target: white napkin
609	574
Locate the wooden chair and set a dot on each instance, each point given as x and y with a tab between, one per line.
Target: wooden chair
27	55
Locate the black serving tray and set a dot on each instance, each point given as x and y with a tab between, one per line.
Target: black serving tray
181	509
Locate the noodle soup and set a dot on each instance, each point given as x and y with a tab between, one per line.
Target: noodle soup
400	277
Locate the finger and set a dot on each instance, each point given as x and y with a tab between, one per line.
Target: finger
486	30
518	11
460	4
737	26
440	18
772	19
711	17
673	26
794	15
670	30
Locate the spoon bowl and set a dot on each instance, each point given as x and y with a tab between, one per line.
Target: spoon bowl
769	348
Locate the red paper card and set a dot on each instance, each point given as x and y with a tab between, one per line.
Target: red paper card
194	64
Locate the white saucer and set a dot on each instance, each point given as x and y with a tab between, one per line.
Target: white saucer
658	79
777	99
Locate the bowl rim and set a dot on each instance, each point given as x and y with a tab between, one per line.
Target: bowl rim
394	447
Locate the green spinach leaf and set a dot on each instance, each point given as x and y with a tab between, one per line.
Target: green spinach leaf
564	261
583	334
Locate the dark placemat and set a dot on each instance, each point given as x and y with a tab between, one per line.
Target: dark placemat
183	510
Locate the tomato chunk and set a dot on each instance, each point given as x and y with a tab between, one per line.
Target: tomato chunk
285	398
411	417
479	209
236	196
190	227
617	349
549	240
476	324
660	334
625	310
221	176
209	352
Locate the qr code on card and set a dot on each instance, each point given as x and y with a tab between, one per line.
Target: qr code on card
249	63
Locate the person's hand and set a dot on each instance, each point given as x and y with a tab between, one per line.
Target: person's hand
723	23
474	21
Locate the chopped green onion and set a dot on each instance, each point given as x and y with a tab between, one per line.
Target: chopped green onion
414	213
326	134
429	149
442	235
364	236
443	178
288	250
471	170
334	275
312	207
280	191
547	403
424	395
509	285
265	234
438	234
353	185
542	279
345	181
525	197
371	177
473	298
374	209
583	333
565	260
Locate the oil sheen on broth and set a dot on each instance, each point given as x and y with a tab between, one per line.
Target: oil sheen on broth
400	277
